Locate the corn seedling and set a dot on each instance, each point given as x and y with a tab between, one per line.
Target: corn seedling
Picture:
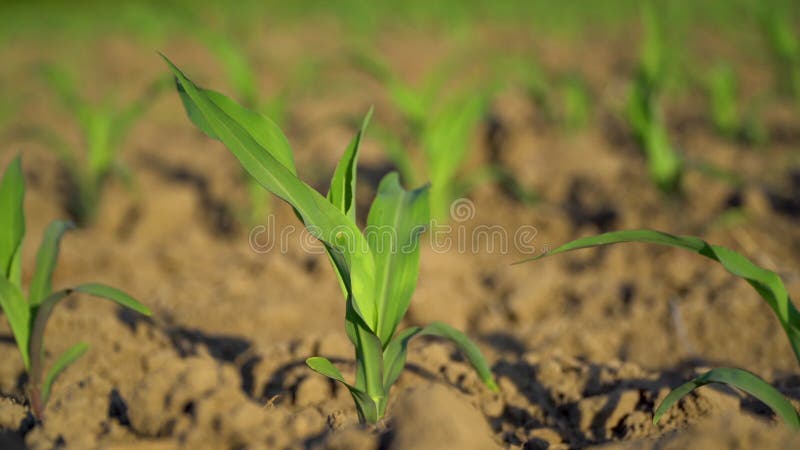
643	111
766	282
728	118
784	46
442	128
377	269
104	128
28	316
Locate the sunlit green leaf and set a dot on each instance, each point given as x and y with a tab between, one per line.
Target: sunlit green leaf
740	379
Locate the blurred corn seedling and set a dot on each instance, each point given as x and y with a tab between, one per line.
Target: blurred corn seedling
28	314
377	269
784	47
104	126
442	126
644	112
729	117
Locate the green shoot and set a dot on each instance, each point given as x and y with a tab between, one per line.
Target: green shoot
766	282
575	102
104	128
377	269
643	111
726	115
443	126
784	46
27	315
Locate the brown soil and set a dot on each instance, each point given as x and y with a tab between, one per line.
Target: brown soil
583	345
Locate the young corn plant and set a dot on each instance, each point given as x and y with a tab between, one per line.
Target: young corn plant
784	45
377	269
104	128
442	128
726	114
766	282
27	314
643	111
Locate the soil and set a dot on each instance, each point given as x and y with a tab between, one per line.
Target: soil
583	345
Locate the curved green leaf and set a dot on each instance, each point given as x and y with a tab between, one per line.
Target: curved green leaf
65	360
15	308
12	220
367	409
471	351
342	192
395	222
261	128
740	379
46	258
766	282
241	136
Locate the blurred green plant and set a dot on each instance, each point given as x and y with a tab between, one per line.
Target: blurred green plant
28	316
784	47
104	127
441	123
377	269
727	114
766	282
644	112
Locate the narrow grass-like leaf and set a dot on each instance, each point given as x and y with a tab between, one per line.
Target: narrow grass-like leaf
342	192
15	308
321	218
395	222
766	282
740	379
46	259
65	360
471	351
12	220
113	294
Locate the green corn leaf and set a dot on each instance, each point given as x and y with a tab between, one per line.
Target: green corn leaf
15	308
470	350
115	295
342	192
46	259
740	379
395	222
341	236
367	409
394	356
65	360
325	367
12	221
260	128
766	282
